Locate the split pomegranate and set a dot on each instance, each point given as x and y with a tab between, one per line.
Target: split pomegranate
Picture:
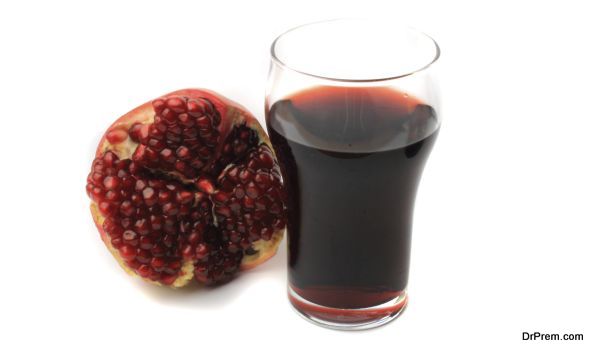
187	186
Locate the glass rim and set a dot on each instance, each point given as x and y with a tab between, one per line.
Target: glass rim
275	59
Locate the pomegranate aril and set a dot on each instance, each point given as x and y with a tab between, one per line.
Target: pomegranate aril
164	196
245	176
254	231
115	136
130	238
232	247
97	177
97	193
108	225
139	155
204	152
194	238
109	159
253	165
252	190
137	199
173	138
275	209
116	242
154	276
235	206
168	241
127	252
170	225
217	274
190	134
186	120
201	274
177	104
261	203
157	263
156	222
228	224
133	264
160	125
170	209
143	256
169	116
140	185
175	130
266	233
150	196
158	105
220	197
232	173
197	164
278	224
184	197
201	251
144	270
150	155
266	160
156	134
239	192
234	236
126	223
183	152
141	211
188	251
156	144
196	108
262	179
142	227
110	171
174	265
224	211
240	227
184	227
135	132
205	185
106	208
204	123
168	279
248	203
157	250
88	189
146	242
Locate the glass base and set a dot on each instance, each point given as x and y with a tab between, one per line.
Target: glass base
348	319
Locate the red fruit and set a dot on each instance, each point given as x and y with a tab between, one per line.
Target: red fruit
187	186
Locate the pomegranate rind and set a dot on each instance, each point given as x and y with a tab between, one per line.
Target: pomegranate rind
265	250
232	114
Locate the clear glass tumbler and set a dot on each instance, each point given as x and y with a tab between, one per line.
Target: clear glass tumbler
352	110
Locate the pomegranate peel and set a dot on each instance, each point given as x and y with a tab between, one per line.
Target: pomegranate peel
187	186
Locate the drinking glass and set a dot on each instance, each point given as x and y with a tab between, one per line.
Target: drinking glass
352	109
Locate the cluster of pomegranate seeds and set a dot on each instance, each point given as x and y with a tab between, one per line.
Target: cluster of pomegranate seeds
216	262
239	142
158	221
149	221
182	138
248	203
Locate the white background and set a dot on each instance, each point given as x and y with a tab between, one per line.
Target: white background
506	235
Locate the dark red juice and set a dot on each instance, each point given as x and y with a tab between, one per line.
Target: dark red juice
351	159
